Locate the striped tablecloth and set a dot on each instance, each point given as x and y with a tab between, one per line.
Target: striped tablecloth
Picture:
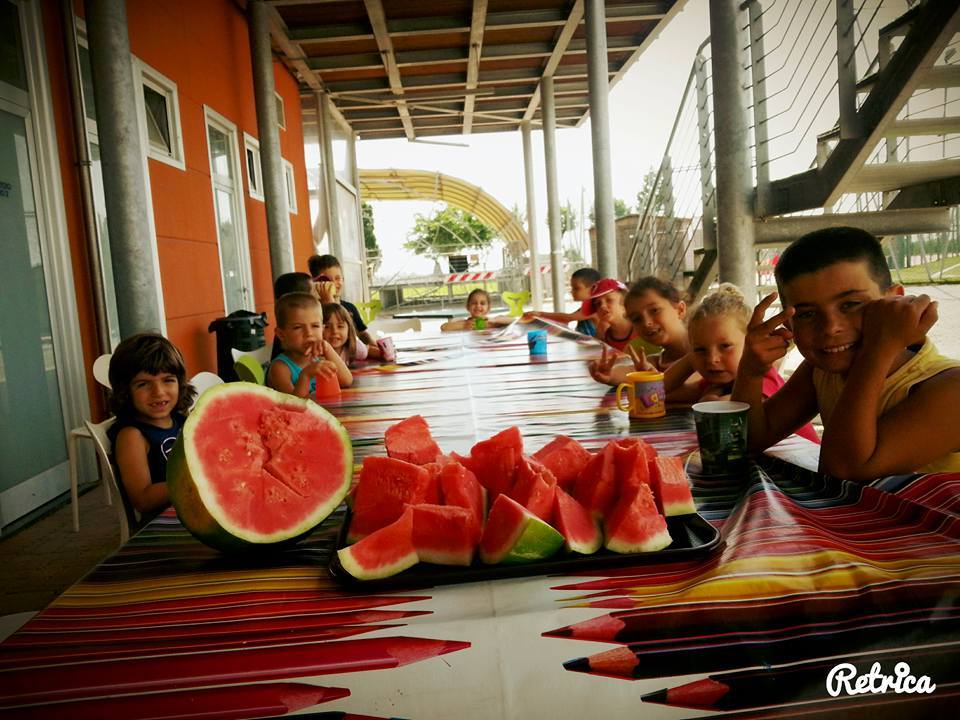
813	572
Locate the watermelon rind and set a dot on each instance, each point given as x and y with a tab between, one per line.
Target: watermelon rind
581	531
195	502
654	542
361	572
537	541
388	551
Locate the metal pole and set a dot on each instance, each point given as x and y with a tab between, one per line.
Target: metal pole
122	159
553	203
78	117
598	88
847	71
758	71
735	226
325	121
708	196
271	163
536	286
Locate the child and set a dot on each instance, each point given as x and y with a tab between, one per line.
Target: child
657	311
306	354
328	283
478	306
283	285
717	329
889	402
150	397
580	283
607	296
339	333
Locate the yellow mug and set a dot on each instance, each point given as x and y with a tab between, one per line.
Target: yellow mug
645	393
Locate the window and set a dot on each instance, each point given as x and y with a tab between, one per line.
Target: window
160	114
281	117
291	187
254	175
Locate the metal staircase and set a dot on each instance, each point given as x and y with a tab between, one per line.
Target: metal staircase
879	148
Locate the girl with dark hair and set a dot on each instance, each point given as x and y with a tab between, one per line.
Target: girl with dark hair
150	397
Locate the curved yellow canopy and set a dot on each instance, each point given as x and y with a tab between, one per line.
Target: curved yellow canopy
396	184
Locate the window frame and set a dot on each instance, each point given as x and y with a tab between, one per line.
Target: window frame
281	111
251	144
147	76
290	184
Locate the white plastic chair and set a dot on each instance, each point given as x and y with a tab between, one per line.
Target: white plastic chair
101	370
390	325
98	432
204	380
261	355
101	373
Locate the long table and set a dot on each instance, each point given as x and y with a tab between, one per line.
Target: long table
812	572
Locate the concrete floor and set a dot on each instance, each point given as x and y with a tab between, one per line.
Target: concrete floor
41	561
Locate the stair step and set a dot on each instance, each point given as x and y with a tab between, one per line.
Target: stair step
925	126
882	177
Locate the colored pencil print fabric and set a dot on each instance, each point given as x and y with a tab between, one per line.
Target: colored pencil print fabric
812	572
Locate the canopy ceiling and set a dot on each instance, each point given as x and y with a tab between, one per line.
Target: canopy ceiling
416	68
424	185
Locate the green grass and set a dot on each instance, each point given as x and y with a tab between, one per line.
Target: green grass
917	274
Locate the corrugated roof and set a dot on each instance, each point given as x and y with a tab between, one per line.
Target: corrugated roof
416	68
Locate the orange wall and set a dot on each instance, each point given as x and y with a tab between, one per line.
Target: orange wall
204	48
208	57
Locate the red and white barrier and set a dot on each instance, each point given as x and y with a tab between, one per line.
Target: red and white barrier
470	276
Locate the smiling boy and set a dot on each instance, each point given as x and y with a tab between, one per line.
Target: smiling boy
889	402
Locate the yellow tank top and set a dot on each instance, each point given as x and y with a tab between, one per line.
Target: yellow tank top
922	366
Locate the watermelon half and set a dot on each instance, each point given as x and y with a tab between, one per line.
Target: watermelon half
386	552
514	535
254	467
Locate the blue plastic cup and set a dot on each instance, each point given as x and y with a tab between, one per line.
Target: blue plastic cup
537	341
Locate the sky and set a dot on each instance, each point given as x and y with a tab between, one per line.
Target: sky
642	105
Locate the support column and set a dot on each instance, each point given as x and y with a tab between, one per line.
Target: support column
847	70
553	203
325	121
598	87
536	286
735	226
122	156
271	162
758	71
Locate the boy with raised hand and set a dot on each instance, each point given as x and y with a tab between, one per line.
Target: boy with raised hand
889	402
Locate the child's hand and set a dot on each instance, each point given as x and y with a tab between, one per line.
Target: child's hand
320	368
898	321
639	357
529	316
325	291
600	370
767	341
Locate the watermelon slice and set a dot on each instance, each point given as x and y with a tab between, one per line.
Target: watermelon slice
596	485
565	458
671	487
635	525
534	488
515	535
410	440
254	467
630	461
386	485
581	533
459	486
383	553
444	534
494	461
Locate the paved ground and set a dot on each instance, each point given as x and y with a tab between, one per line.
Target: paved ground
44	559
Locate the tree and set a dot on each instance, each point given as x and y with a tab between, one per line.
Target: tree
657	208
370	238
620	208
447	232
568	218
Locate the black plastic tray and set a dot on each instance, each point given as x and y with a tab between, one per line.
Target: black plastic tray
692	537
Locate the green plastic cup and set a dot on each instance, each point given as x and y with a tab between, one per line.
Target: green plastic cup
479	323
722	434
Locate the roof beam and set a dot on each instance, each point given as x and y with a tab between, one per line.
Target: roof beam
559	48
378	21
292	52
477	26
